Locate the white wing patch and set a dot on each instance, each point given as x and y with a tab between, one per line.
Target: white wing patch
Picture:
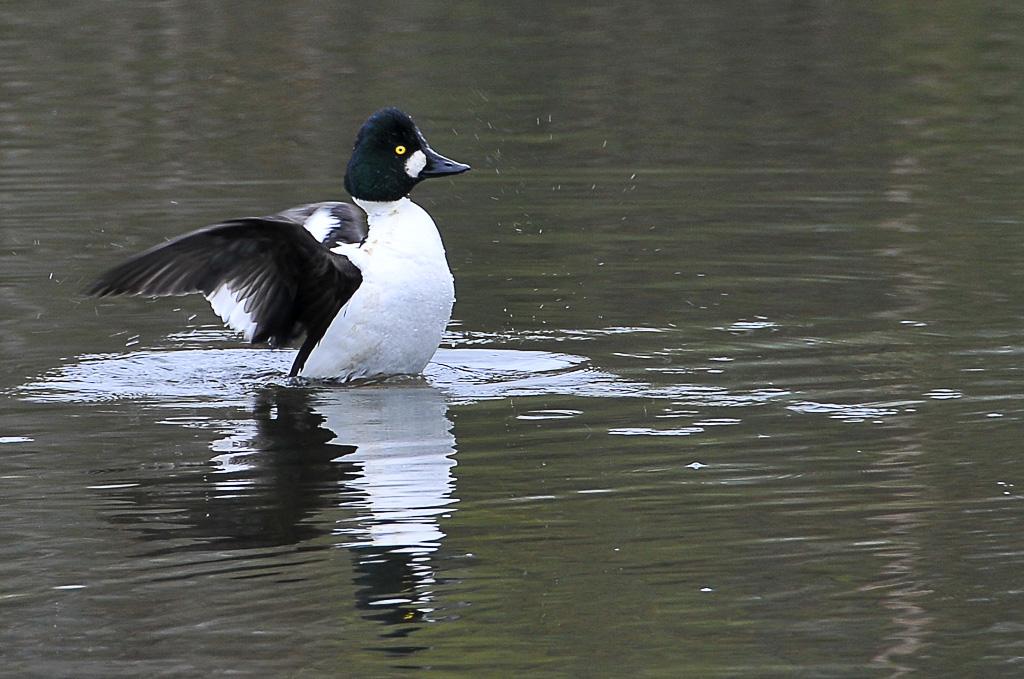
415	164
232	311
320	223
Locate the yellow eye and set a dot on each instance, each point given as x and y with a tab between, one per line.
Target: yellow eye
400	150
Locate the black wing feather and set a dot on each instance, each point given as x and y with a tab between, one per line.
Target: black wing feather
292	285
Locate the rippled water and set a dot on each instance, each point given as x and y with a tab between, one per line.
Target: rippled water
733	389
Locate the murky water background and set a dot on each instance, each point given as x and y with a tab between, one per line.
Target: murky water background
734	387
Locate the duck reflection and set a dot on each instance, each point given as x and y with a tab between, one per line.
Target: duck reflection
370	467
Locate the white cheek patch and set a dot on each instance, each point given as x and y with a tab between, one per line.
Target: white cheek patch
417	161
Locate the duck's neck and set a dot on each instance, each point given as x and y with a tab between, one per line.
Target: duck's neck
378	209
400	223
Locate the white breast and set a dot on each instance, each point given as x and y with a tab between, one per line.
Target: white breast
394	321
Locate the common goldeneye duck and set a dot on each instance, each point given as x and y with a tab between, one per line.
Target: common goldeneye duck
361	296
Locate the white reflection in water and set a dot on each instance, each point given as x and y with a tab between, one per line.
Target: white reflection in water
396	444
405	458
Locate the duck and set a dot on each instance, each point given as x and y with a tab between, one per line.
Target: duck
363	290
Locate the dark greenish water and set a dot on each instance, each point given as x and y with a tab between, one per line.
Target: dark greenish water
734	386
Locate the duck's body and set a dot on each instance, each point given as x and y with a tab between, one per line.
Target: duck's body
393	323
361	299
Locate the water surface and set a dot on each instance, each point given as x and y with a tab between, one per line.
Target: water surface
733	387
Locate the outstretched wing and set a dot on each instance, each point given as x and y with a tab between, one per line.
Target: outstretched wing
267	277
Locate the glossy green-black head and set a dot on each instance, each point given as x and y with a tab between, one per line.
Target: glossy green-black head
391	156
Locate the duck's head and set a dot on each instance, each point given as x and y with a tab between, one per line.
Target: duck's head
391	156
